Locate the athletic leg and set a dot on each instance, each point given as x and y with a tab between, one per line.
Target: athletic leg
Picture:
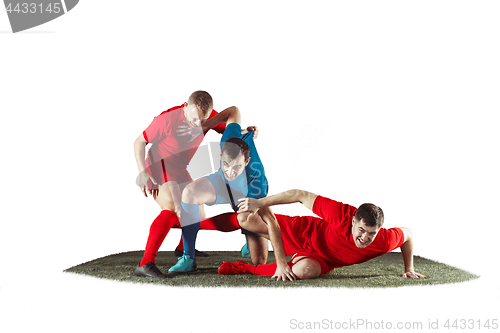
225	222
180	247
303	267
259	249
161	225
199	192
253	223
157	233
306	267
257	245
196	193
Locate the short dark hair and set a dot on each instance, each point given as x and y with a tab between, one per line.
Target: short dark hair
203	101
234	146
370	214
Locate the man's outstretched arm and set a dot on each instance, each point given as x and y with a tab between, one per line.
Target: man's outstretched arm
287	197
262	205
229	115
407	252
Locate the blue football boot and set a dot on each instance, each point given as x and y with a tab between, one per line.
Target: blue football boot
245	253
184	264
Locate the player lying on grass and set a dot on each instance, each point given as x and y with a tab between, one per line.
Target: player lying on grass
163	174
343	235
241	175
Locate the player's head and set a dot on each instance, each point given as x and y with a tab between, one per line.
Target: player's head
366	223
199	107
234	157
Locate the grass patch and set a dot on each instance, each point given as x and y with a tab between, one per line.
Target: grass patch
382	272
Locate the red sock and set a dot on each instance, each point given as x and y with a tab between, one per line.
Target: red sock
224	222
157	233
268	269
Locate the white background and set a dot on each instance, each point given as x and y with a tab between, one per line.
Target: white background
388	102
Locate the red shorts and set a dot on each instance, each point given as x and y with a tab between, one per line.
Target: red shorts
288	227
162	173
296	244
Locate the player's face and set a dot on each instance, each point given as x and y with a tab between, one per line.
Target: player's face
233	168
362	234
194	116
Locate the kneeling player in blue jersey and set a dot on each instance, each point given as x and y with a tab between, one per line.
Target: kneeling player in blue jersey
241	175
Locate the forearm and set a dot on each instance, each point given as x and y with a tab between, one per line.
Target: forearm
140	155
407	252
231	114
274	235
288	197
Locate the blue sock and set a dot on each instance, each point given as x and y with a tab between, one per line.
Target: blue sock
190	221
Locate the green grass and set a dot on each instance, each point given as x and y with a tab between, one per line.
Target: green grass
381	272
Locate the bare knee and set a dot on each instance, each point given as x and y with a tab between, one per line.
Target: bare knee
304	274
306	268
243	220
189	194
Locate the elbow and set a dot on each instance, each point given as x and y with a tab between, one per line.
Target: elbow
235	112
136	144
140	142
233	115
300	195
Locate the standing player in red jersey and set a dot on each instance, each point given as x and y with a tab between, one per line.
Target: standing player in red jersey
175	136
343	235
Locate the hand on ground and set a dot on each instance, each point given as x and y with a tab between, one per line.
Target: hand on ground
413	274
284	272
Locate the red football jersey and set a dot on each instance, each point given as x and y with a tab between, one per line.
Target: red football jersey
330	236
169	150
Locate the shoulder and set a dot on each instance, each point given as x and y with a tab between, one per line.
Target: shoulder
213	113
322	202
172	111
390	238
333	211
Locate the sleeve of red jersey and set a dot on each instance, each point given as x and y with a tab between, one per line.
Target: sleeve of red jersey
332	211
219	128
154	132
393	238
